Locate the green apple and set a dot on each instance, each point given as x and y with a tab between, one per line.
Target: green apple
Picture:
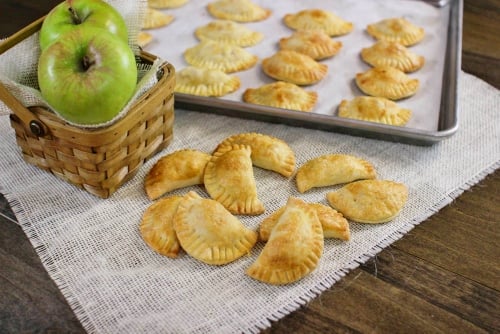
73	14
87	76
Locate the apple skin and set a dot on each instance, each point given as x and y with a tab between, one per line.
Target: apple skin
92	13
87	76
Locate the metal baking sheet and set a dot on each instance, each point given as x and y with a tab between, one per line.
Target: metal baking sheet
434	106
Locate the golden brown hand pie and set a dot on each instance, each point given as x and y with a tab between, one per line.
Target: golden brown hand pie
318	19
157	227
166	3
369	201
155	19
294	67
210	233
229	180
144	38
387	82
314	43
268	152
238	10
374	109
220	56
282	94
229	32
393	54
294	247
333	223
176	170
331	169
396	29
205	82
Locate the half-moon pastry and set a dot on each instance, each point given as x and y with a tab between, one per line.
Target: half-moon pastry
318	19
369	201
220	56
155	19
229	179
331	169
176	170
238	10
230	32
267	152
294	67
282	94
161	4
396	29
144	38
210	233
314	43
205	82
386	53
387	82
157	226
374	109
294	247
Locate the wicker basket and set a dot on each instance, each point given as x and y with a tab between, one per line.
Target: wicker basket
97	160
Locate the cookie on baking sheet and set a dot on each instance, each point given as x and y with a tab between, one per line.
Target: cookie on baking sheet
155	19
333	222
220	56
205	82
294	67
210	233
176	170
314	43
387	82
161	4
157	226
230	32
229	179
374	109
268	152
144	38
238	10
282	94
369	201
332	169
396	29
318	19
294	247
393	54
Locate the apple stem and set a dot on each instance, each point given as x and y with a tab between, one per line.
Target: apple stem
74	16
87	62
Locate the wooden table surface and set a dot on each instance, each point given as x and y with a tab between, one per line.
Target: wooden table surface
443	276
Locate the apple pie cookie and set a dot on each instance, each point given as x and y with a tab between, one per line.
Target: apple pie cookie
155	19
314	43
333	222
386	53
396	30
157	227
282	94
238	10
176	170
374	109
162	4
294	67
387	82
229	32
294	247
210	233
369	201
318	19
144	38
229	179
267	152
332	169
205	82
220	56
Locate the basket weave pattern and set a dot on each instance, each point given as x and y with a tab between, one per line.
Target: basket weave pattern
100	160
